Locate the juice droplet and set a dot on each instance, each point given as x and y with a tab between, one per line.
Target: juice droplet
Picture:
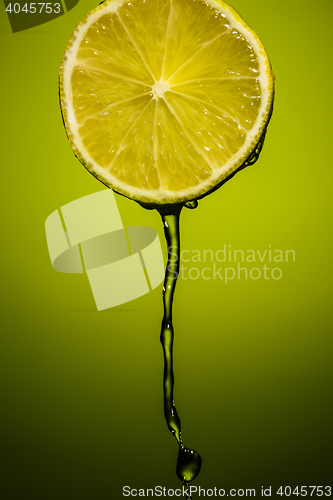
191	204
188	465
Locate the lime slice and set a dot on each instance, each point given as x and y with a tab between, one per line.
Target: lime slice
165	99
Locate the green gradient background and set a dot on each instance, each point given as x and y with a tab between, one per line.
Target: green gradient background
82	411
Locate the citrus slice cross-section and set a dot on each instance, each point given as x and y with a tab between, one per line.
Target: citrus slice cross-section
163	100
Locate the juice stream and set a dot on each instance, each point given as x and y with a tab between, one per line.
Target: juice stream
189	461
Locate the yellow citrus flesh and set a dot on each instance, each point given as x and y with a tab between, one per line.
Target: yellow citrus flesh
164	99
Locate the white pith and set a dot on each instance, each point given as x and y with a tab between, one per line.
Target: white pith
159	88
161	196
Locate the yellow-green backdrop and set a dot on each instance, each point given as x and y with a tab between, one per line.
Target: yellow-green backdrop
82	409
